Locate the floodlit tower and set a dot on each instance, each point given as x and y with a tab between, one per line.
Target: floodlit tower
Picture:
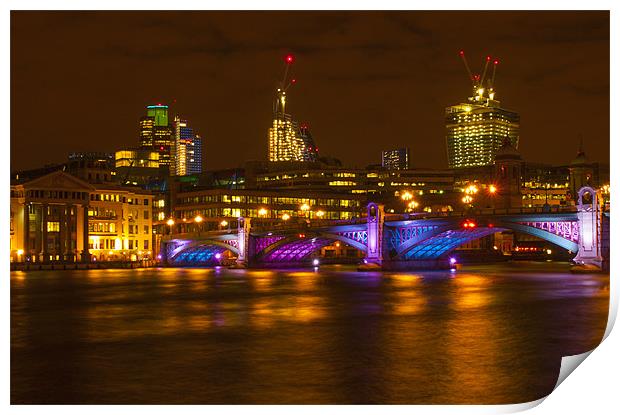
287	140
476	129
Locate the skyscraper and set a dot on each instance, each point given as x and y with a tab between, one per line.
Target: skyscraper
287	140
156	133
395	159
477	129
188	149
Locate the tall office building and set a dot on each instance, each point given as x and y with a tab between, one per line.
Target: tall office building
476	130
188	149
288	141
395	159
156	133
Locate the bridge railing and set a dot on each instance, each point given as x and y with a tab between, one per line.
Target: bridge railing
480	212
199	234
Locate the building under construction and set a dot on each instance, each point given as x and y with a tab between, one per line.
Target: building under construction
288	141
476	129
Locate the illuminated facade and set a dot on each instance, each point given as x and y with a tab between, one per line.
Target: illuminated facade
59	217
217	205
156	133
187	148
138	167
395	159
120	224
476	130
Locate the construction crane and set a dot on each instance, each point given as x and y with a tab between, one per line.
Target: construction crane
478	81
285	84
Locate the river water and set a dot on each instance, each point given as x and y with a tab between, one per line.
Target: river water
488	334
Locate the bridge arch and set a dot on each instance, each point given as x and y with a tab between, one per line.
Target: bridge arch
442	239
299	247
203	252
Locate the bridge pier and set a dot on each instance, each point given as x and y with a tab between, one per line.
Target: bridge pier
244	242
375	258
590	228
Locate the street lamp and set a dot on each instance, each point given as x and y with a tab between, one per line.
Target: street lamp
412	205
406	196
492	189
262	212
472	189
170	223
198	219
320	213
304	207
286	217
224	223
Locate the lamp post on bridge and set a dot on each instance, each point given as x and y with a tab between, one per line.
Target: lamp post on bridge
170	223
198	220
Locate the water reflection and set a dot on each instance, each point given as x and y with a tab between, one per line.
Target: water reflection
298	336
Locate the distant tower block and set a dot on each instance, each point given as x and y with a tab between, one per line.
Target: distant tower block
395	159
187	149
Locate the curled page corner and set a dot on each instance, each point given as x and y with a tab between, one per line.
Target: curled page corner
570	363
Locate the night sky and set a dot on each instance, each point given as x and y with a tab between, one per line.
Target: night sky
367	81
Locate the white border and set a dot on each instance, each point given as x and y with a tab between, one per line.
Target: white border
592	389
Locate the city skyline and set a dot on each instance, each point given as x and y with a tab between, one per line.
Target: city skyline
350	79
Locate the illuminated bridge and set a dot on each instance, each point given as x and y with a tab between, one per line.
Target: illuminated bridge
391	241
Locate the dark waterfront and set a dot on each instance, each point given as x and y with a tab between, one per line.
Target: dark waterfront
488	334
